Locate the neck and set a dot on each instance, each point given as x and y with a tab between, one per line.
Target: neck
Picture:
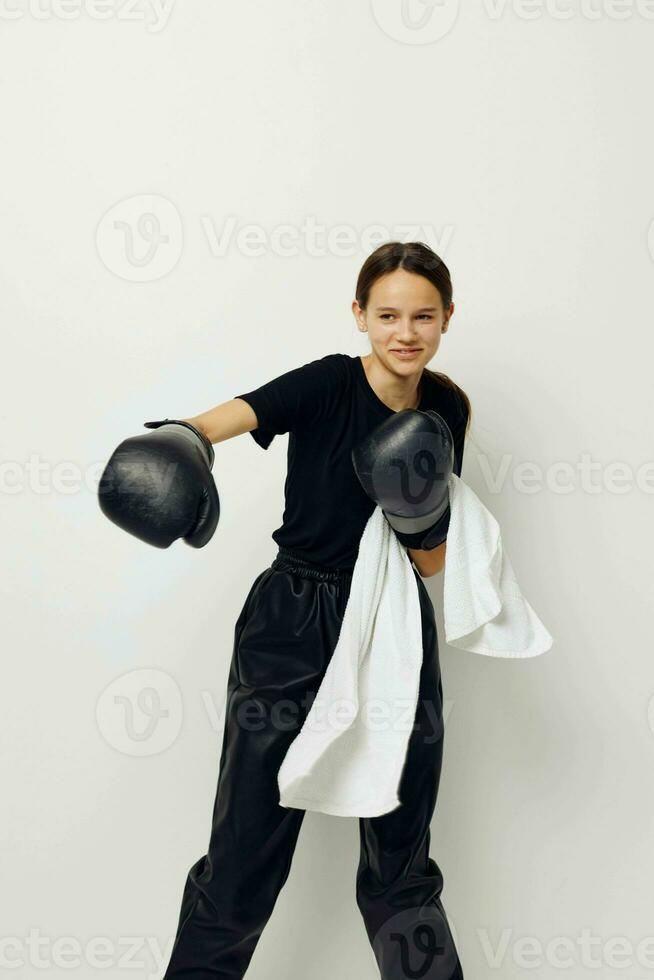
396	392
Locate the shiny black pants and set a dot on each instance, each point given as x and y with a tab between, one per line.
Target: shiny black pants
284	637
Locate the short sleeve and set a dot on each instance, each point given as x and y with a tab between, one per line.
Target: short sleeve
297	399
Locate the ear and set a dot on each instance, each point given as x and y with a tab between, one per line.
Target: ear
358	316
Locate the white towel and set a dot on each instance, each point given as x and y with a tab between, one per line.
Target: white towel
484	610
348	757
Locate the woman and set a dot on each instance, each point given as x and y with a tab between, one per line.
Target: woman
288	628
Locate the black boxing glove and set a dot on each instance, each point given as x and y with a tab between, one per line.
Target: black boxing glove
158	486
404	465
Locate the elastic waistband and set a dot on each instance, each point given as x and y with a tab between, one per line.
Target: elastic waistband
305	569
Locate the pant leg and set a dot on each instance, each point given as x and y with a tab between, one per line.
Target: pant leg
284	637
398	885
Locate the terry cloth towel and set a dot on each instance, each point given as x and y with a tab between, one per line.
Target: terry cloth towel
348	757
484	610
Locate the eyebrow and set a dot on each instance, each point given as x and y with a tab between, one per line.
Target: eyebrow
392	309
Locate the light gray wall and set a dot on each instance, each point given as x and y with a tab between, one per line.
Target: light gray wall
516	140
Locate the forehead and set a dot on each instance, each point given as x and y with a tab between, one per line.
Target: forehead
402	289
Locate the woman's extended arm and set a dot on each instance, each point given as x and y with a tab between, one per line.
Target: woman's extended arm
229	419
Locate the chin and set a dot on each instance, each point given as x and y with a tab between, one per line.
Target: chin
406	367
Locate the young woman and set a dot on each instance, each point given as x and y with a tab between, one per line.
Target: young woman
288	628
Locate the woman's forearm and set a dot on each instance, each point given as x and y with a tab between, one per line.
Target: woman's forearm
229	419
428	562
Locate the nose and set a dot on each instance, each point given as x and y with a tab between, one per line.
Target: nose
407	335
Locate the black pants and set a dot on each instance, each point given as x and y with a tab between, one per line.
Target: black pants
284	637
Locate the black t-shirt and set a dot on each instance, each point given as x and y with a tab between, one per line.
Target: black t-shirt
328	406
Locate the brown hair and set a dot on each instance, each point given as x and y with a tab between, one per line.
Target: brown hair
421	259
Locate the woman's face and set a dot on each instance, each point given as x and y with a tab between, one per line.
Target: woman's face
404	312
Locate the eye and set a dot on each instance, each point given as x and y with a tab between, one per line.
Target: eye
384	315
427	315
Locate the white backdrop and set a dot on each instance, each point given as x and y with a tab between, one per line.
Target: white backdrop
188	193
